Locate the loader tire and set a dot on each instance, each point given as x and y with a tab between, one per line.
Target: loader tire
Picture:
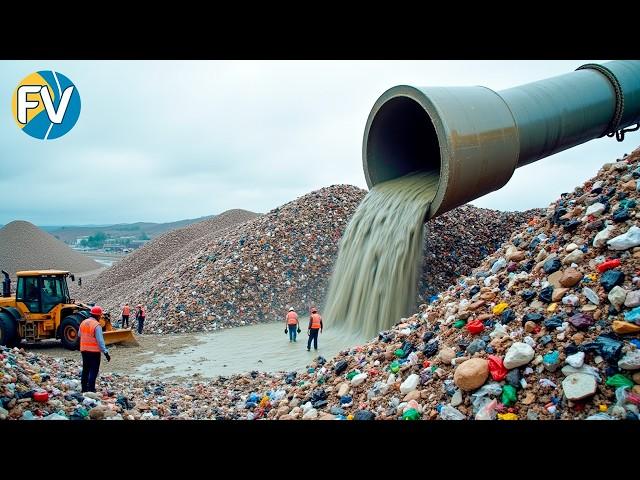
69	332
8	330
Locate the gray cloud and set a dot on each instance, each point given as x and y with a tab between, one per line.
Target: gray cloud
160	141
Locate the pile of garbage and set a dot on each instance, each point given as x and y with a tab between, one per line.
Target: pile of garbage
453	247
39	387
547	327
254	271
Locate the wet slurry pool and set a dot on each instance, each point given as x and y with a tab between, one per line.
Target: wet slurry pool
239	350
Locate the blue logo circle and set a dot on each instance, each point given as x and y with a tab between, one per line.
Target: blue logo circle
46	105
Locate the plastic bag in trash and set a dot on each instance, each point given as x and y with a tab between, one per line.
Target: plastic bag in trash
447	412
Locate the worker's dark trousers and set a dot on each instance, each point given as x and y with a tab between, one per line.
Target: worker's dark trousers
314	337
125	319
90	368
140	325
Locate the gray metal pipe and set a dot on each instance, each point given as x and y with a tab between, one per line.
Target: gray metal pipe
475	138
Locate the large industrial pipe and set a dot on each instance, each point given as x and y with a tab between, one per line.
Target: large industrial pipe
475	138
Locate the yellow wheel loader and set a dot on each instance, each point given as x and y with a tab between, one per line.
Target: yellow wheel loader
43	309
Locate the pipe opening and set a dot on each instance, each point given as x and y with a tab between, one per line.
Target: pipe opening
402	139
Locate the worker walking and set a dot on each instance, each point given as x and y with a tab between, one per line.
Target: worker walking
91	344
291	324
315	326
125	315
140	318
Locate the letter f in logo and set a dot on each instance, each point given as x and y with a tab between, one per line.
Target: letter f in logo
54	116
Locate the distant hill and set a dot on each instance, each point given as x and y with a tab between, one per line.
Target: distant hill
68	234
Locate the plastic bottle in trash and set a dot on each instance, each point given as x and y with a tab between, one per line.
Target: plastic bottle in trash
447	412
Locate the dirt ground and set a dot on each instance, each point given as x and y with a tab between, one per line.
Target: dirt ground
125	359
263	347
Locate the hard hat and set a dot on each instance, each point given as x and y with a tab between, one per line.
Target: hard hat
291	309
96	310
139	305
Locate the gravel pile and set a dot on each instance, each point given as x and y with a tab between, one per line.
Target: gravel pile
23	246
163	252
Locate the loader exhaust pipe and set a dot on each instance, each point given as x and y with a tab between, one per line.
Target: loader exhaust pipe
475	138
6	285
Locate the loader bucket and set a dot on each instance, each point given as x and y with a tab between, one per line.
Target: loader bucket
124	336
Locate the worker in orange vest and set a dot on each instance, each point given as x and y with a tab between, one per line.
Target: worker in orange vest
125	315
291	323
315	326
91	344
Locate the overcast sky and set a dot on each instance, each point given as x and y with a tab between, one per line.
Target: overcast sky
167	140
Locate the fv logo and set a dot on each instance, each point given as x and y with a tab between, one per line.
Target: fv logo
46	105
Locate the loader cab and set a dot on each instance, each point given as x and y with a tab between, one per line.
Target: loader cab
42	291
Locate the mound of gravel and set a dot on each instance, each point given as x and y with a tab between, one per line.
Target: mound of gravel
168	247
23	246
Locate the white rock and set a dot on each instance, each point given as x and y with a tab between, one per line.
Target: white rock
629	239
358	379
343	389
632	299
617	296
579	385
311	413
631	360
570	300
602	236
586	369
410	384
499	331
571	247
542	255
595	209
574	257
518	354
591	295
576	360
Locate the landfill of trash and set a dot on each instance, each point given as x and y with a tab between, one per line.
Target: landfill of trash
253	271
547	327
